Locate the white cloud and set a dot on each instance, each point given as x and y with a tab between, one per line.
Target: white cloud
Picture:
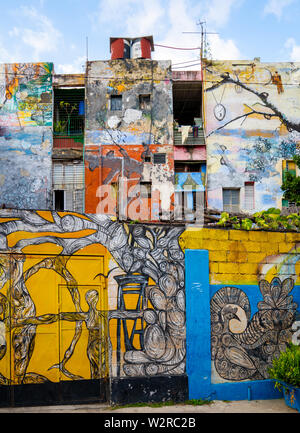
222	49
276	7
219	11
77	67
43	37
294	50
171	22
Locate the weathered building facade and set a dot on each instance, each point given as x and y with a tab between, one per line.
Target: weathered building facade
94	308
252	114
26	135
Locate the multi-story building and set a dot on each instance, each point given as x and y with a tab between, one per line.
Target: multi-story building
252	127
130	137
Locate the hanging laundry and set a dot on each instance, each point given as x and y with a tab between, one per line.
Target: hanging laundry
185	132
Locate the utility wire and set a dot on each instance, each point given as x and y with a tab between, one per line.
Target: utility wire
176	48
187	66
181	63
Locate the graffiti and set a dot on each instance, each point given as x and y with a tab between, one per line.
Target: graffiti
117	142
25	135
155	253
243	347
258	127
151	261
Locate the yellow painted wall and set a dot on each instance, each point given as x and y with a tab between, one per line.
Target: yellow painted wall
47	286
242	257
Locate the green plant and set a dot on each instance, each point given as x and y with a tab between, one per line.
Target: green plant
286	368
60	126
68	108
291	185
270	219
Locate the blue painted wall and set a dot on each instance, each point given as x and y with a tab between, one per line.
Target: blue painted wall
198	334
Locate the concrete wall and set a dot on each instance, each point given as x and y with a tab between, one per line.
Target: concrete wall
252	124
117	142
246	285
85	298
94	309
26	135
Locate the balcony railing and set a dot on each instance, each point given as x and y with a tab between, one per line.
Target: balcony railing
69	133
68	142
189	136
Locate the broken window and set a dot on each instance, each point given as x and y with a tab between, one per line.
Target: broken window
68	186
116	102
231	200
145	102
145	189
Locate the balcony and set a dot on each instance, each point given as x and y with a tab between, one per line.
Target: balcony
189	136
69	119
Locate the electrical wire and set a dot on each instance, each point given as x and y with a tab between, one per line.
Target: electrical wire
181	63
176	48
187	66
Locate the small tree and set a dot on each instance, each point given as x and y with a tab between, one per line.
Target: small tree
291	185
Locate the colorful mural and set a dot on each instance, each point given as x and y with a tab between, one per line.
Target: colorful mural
59	318
243	347
86	298
129	119
251	123
26	135
242	299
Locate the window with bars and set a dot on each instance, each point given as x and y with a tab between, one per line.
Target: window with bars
231	199
116	102
69	112
159	158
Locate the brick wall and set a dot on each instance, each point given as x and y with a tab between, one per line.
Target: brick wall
243	257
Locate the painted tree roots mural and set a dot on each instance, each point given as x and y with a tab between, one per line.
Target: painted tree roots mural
155	345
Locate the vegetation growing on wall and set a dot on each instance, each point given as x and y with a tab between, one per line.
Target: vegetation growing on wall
271	219
291	185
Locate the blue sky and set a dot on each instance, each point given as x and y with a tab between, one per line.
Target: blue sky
56	30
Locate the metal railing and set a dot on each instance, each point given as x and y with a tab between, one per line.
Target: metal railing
195	137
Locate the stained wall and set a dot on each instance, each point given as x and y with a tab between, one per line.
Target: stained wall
252	124
118	142
93	309
26	135
247	284
90	309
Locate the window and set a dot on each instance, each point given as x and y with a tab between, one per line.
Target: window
231	200
159	158
188	167
288	167
249	195
116	102
68	186
68	112
145	189
59	199
147	158
145	102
